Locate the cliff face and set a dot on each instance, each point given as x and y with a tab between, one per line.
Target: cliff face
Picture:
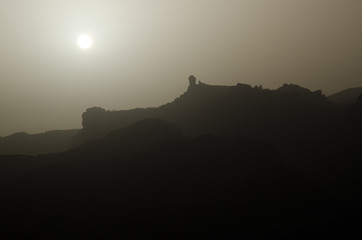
221	110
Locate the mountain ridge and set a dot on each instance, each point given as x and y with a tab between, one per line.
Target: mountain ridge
97	121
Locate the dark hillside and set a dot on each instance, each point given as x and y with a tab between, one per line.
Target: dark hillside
159	181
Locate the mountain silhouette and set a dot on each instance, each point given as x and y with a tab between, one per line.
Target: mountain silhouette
347	96
33	144
224	161
303	125
222	110
304	93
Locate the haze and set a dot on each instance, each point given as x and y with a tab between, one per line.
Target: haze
143	52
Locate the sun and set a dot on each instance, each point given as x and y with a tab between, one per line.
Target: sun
85	41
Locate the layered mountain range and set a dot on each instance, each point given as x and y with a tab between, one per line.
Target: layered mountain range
226	110
226	162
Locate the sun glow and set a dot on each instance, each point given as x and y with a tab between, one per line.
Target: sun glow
85	41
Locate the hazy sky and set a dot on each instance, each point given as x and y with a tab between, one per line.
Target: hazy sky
143	52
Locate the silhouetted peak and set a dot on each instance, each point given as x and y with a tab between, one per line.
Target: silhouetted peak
296	89
304	93
147	131
347	96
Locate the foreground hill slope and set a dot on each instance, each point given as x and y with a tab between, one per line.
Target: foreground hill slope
149	177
